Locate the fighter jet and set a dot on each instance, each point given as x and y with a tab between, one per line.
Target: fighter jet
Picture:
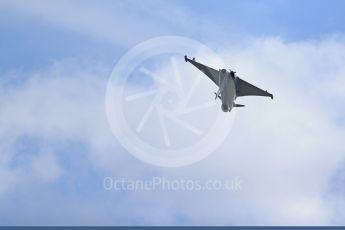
230	85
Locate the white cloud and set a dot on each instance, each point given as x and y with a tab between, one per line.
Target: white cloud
45	166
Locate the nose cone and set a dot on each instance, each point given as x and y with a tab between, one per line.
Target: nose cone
225	108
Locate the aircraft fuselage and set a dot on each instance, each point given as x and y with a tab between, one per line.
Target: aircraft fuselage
227	90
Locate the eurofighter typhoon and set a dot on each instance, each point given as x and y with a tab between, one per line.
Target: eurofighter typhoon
230	85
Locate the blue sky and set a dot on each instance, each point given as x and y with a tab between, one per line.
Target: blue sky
293	20
56	145
23	32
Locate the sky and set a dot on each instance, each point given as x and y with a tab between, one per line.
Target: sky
57	146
